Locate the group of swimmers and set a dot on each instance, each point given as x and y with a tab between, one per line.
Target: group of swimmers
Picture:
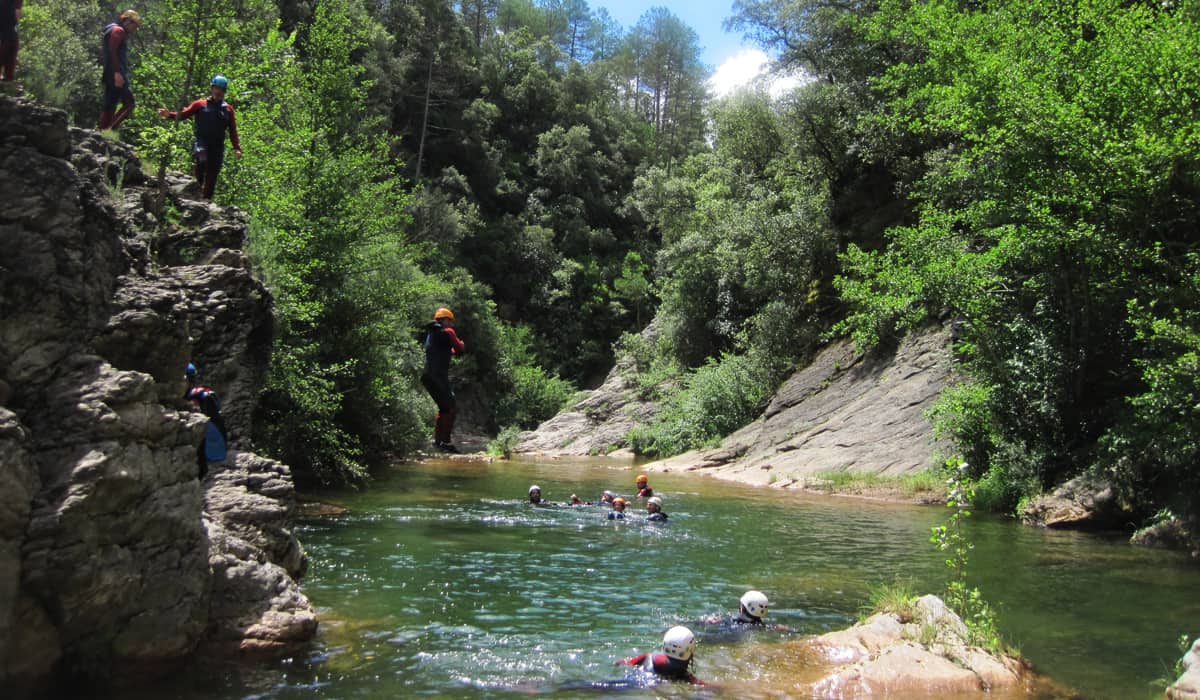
616	504
674	661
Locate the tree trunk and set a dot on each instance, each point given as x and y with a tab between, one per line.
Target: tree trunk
425	117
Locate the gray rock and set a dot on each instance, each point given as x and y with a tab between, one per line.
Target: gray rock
842	412
112	553
600	421
1081	503
1188	685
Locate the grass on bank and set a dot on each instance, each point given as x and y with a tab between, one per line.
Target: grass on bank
927	485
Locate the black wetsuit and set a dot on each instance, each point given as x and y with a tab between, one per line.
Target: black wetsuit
657	517
616	515
729	628
114	47
209	404
441	343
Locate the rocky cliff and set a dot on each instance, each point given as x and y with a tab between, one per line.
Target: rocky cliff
113	554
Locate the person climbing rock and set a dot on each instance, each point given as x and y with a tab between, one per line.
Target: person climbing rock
643	487
618	509
654	510
752	608
674	663
213	117
114	50
441	343
10	42
213	447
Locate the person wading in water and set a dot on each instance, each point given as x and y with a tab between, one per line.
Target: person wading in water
441	344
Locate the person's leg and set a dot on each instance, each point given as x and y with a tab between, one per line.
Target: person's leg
127	104
111	96
8	57
216	157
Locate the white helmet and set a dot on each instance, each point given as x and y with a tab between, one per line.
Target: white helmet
755	603
656	501
533	488
678	643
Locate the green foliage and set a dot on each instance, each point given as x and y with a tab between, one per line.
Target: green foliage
533	395
504	443
927	482
715	400
898	597
1055	215
952	539
59	64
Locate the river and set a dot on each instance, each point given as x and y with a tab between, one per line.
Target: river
440	581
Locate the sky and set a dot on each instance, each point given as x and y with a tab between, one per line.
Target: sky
735	60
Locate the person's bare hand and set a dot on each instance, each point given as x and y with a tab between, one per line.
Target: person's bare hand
118	80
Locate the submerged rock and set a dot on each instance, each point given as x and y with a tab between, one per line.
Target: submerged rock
1188	685
113	555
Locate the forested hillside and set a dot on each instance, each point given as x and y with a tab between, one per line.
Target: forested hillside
1026	170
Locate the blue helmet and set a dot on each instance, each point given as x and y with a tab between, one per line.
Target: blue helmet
190	372
220	81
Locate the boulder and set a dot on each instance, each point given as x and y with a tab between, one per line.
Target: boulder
927	655
1188	685
1084	503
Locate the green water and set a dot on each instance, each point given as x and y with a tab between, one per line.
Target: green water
440	581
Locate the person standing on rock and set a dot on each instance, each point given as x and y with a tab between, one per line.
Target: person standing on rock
212	448
10	14
115	56
213	118
441	344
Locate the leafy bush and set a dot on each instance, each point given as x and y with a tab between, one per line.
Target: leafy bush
504	443
715	400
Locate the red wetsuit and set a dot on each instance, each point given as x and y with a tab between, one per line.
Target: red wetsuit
9	41
664	666
212	119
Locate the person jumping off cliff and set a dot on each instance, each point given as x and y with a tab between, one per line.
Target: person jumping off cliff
10	14
114	52
213	117
441	343
216	438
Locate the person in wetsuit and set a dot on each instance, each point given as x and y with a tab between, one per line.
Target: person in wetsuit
213	117
751	611
114	49
618	509
10	41
675	660
654	510
441	343
643	487
207	402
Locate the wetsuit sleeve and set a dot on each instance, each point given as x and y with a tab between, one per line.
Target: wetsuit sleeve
115	37
635	661
187	112
457	346
233	136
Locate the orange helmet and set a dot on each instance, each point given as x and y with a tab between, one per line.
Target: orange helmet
618	502
133	16
443	313
641	479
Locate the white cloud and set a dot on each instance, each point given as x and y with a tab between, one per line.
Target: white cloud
746	67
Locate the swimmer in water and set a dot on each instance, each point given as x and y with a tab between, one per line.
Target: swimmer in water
607	498
654	510
674	662
752	609
618	509
535	496
643	487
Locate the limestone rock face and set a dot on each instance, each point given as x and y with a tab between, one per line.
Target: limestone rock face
1188	685
927	656
599	422
842	412
1081	503
112	553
